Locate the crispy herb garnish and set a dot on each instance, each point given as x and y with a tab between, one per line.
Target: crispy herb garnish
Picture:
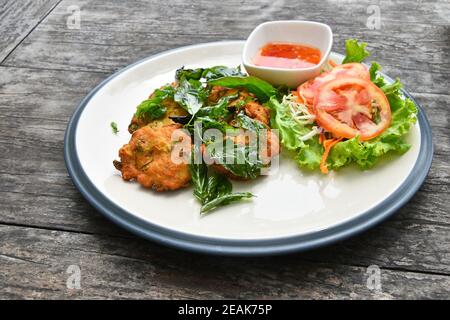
262	89
191	95
213	190
153	107
242	160
114	128
224	200
355	51
247	123
208	73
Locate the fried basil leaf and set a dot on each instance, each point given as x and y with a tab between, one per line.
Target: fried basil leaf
114	128
260	88
153	107
211	189
188	74
208	73
190	94
243	160
224	200
221	71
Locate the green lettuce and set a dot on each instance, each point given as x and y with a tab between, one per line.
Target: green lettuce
355	51
367	153
307	153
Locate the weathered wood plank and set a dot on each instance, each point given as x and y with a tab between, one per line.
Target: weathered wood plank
34	264
114	33
18	18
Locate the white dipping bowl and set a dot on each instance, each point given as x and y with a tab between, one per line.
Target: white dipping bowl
308	33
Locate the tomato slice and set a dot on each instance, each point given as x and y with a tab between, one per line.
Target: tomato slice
308	90
348	107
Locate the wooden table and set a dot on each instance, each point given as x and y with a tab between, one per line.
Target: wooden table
47	66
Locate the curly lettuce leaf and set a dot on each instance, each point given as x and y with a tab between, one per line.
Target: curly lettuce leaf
289	129
241	160
309	152
310	155
355	51
221	71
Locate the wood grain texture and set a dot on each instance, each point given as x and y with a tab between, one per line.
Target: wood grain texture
112	268
18	18
46	225
113	33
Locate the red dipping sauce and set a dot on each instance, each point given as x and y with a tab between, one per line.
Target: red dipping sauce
287	56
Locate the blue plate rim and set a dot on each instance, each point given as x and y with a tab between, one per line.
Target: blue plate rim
250	247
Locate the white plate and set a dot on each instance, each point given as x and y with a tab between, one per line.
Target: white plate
292	207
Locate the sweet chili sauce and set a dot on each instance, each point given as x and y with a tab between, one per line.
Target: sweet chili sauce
287	55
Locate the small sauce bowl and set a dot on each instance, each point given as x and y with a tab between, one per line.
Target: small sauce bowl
308	33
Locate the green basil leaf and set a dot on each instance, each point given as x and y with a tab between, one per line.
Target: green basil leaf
219	110
208	73
262	89
114	128
221	71
224	200
153	107
189	74
191	95
199	174
245	122
243	161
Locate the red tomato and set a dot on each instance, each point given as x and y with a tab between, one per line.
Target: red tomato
308	90
348	107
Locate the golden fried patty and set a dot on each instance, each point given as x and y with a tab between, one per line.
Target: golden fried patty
258	112
147	158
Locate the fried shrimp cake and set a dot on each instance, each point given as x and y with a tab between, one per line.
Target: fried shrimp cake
258	112
218	92
147	158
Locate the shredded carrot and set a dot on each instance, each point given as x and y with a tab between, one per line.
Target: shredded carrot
321	138
328	144
300	99
332	63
